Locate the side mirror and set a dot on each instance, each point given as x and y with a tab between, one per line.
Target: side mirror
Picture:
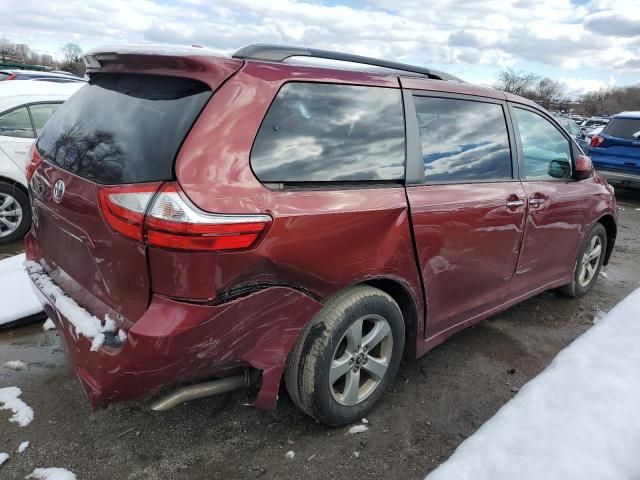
583	168
559	169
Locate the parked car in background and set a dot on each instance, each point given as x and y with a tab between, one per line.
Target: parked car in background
570	126
207	223
58	77
25	106
616	150
593	122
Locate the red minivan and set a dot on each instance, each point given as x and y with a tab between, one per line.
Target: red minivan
204	223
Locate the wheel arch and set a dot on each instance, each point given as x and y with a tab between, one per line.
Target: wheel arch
609	224
403	297
15	183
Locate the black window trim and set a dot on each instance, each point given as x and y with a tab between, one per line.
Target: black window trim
332	185
574	147
415	162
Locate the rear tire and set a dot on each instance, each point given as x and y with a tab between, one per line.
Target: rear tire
588	263
347	356
15	213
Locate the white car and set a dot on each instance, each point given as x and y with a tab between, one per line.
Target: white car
25	106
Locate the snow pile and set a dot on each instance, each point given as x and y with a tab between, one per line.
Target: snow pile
16	365
53	473
22	413
18	298
48	325
3	457
358	429
23	446
290	454
577	419
85	324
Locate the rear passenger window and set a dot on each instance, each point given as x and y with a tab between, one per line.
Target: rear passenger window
463	140
542	144
327	133
627	128
40	113
16	123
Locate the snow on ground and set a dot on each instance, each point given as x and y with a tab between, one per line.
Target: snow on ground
85	324
358	429
3	457
52	473
16	365
22	413
23	446
48	325
578	419
18	298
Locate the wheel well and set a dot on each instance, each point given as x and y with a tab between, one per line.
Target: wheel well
14	183
610	226
407	305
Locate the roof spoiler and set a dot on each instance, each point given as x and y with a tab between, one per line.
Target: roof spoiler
155	55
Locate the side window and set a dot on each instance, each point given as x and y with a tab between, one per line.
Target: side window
547	153
463	140
323	132
16	123
40	113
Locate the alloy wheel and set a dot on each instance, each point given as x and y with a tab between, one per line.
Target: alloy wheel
10	214
590	261
361	360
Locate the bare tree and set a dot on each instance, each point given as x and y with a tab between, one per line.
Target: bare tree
6	48
547	92
72	63
514	81
71	52
609	101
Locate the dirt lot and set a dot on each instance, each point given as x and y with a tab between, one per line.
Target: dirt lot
435	404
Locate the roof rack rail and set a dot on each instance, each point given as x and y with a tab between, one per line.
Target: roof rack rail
279	53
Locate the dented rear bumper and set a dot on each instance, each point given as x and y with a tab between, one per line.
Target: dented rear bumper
176	342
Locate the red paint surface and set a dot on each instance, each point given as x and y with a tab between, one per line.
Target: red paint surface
475	255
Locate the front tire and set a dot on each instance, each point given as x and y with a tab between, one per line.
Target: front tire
588	264
347	356
15	213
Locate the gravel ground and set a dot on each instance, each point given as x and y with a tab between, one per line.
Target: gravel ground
435	403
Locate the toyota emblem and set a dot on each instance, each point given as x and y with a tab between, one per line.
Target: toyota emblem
58	190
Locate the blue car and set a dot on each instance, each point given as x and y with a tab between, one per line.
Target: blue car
615	151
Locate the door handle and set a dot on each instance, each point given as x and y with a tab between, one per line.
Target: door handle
515	203
536	202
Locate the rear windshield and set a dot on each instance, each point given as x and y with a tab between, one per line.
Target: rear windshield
123	128
623	128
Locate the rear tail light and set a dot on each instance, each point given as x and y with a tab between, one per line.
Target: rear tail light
596	141
34	162
124	207
12	76
166	218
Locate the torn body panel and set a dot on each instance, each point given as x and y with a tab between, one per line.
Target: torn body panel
176	342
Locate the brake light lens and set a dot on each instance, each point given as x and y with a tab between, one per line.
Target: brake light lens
596	141
124	207
172	222
12	76
34	162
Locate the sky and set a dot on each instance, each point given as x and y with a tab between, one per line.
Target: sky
585	45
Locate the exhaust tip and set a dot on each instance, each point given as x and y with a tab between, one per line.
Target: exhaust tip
200	390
